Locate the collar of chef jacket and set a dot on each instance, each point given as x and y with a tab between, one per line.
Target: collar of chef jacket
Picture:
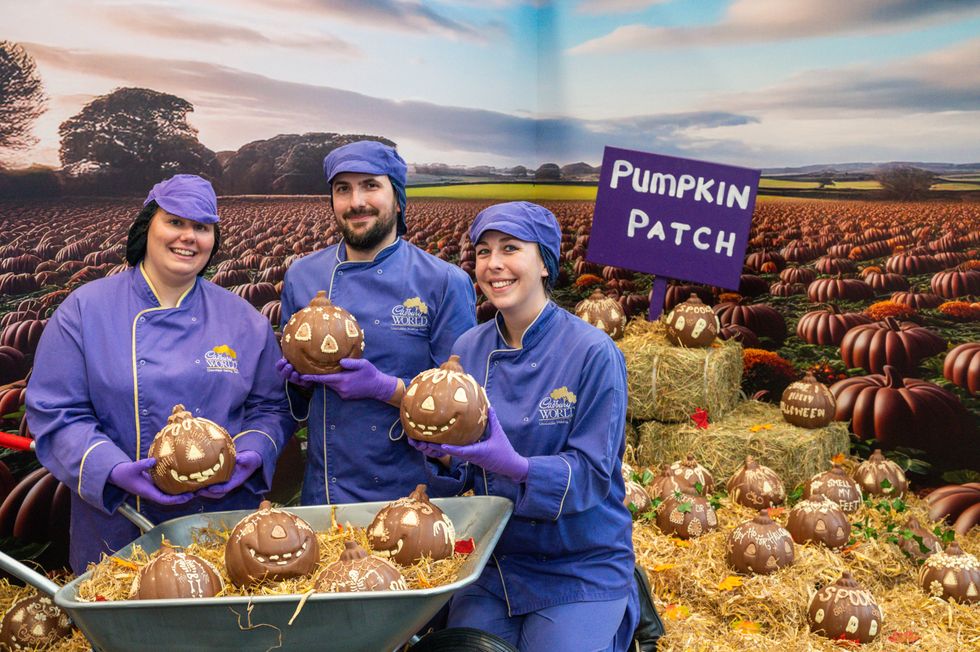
378	257
533	334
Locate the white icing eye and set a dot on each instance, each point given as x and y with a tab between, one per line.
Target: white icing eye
303	334
412	389
194	453
852	625
601	325
350	327
410	519
329	344
460	396
428	404
680	323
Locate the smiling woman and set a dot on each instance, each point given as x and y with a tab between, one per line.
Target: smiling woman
122	351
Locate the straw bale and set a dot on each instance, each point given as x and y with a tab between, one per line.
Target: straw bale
668	382
700	613
752	428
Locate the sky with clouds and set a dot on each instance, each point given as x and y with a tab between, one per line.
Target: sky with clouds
761	83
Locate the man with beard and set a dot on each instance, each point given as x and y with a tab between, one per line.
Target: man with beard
412	307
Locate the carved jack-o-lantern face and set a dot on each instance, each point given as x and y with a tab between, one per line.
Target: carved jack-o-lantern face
445	406
692	324
33	623
173	574
411	528
316	338
602	312
191	453
270	544
845	611
357	571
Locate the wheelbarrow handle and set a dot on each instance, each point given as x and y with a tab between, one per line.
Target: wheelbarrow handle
28	574
134	517
16	442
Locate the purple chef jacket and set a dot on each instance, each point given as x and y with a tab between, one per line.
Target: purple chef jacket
561	399
110	367
412	307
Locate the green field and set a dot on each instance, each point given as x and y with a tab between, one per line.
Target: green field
787	184
506	192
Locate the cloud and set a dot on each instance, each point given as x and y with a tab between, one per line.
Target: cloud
164	23
234	107
615	6
398	15
941	81
754	21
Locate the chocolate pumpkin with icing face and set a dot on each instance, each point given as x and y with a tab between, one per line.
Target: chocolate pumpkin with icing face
357	571
445	406
191	453
411	528
270	544
845	611
819	520
317	337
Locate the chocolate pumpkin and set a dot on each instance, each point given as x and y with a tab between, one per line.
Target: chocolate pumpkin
686	515
756	486
845	611
270	544
445	406
692	324
411	528
808	403
356	571
951	575
879	476
820	520
687	473
33	623
637	496
316	338
603	313
920	542
759	546
836	485
173	574
191	452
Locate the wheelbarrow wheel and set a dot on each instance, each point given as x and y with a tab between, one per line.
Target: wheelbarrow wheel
462	639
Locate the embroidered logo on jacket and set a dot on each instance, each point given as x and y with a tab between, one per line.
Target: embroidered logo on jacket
557	407
222	358
410	315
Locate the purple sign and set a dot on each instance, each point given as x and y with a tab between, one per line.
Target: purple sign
673	217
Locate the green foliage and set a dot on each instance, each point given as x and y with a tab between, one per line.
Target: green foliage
22	98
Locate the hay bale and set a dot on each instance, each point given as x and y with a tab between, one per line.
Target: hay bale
753	428
668	382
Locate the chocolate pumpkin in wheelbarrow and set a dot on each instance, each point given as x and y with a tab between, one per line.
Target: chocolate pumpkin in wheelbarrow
270	544
411	528
172	574
358	571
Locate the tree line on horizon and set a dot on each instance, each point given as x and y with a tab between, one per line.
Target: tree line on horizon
123	142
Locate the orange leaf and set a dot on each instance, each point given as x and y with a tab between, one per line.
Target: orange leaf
747	626
125	564
729	583
677	612
659	568
908	637
838	458
776	511
681	543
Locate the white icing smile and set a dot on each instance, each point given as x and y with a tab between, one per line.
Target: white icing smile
280	560
199	476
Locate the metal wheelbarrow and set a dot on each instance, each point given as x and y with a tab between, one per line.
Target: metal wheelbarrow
349	622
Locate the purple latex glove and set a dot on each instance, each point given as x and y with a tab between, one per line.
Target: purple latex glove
246	462
427	448
134	477
360	380
289	374
494	453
